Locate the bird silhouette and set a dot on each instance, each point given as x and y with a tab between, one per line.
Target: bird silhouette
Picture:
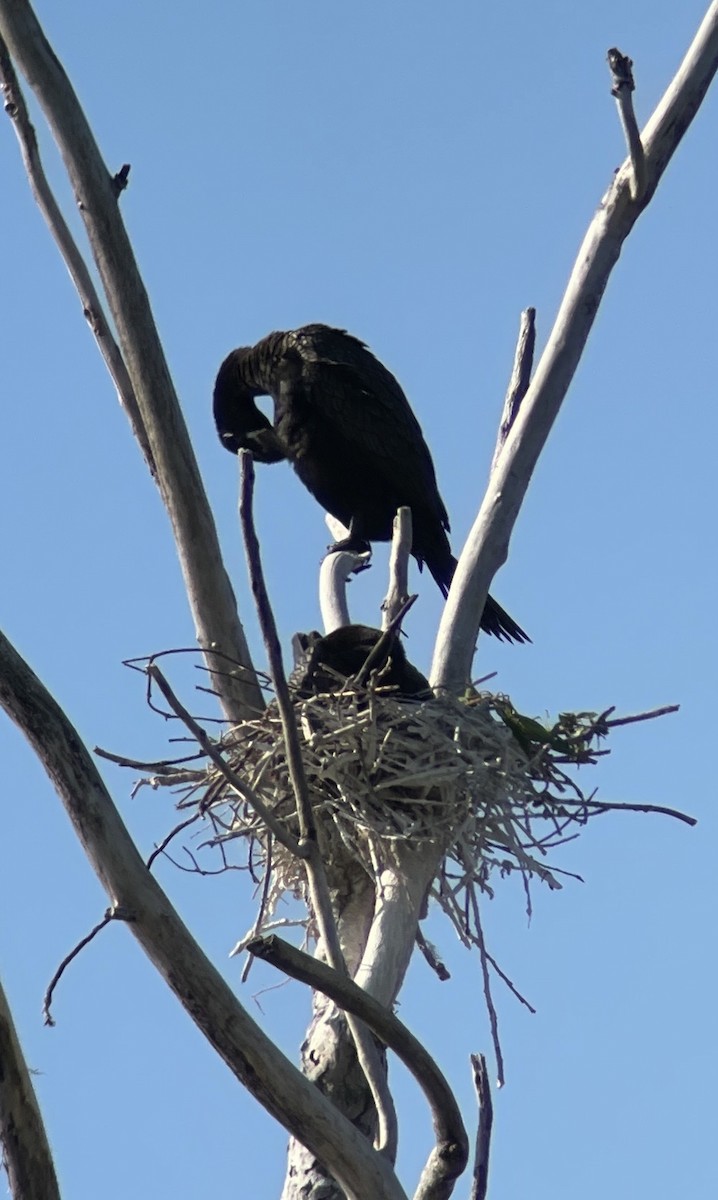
344	423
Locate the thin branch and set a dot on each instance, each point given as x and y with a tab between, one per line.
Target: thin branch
171	836
601	806
504	977
490	1006
621	68
160	767
398	593
92	308
253	1058
259	922
480	1183
644	716
110	915
520	379
161	423
488	543
26	1153
316	879
450	1155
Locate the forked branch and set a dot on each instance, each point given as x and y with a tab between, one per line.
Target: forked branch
131	888
449	1157
157	417
488	544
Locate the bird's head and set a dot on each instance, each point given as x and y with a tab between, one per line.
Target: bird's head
241	425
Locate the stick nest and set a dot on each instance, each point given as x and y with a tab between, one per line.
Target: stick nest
486	788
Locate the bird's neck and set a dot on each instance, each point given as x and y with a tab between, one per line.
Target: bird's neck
256	366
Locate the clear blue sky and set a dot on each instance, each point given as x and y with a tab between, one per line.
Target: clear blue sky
418	174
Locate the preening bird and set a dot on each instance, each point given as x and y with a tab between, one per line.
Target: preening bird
343	422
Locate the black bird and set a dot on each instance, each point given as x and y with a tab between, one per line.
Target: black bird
323	664
345	425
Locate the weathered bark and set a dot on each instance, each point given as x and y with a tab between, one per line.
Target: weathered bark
137	899
377	924
163	427
25	1148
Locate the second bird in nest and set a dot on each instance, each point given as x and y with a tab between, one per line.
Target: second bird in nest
343	422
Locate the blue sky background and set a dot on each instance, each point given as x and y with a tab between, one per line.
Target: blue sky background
417	174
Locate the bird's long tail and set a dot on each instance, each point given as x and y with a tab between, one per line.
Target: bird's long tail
494	619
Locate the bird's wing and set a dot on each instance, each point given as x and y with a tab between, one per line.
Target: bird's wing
368	408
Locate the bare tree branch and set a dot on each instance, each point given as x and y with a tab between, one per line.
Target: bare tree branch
398	594
249	1053
163	428
487	546
519	381
92	308
387	1139
85	941
621	67
480	1183
26	1150
449	1157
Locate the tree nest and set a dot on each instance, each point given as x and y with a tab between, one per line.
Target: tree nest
485	786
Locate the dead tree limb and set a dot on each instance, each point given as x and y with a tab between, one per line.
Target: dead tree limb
249	1053
161	426
388	1134
92	307
520	379
25	1148
621	68
487	546
480	1183
450	1155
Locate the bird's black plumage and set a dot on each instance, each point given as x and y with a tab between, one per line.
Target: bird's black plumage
325	663
343	422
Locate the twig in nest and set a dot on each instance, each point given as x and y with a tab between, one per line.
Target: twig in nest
261	911
239	785
161	767
170	836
